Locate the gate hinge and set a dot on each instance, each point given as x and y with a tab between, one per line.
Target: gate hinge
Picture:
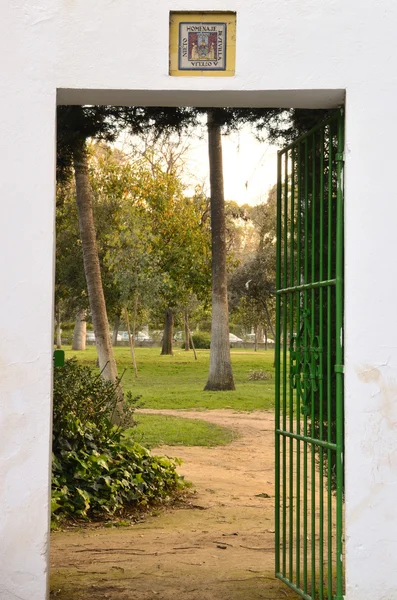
340	157
339	368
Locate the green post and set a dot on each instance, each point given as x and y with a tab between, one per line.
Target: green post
59	358
339	362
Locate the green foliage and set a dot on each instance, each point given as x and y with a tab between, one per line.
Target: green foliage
70	284
80	392
252	285
96	470
201	340
161	249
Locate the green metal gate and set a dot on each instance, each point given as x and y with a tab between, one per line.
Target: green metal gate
309	364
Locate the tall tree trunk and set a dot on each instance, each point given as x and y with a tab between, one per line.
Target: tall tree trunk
168	332
92	270
116	326
265	337
220	374
187	333
58	328
80	329
256	338
131	339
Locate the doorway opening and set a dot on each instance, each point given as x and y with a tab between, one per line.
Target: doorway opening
288	329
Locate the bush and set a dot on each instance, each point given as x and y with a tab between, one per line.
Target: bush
259	374
86	395
201	340
96	470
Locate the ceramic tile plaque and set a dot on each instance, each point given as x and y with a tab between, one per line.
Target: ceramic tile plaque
202	44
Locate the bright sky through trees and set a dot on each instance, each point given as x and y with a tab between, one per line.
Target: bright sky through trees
249	166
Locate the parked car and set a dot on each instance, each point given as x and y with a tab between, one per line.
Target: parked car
233	338
139	337
90	337
250	337
142	337
122	336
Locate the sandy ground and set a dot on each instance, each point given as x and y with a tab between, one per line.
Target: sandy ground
220	547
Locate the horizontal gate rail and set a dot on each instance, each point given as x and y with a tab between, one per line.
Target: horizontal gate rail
306	286
309	363
306	438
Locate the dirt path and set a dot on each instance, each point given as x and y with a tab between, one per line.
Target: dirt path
222	548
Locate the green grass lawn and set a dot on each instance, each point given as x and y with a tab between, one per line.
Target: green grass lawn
157	430
178	381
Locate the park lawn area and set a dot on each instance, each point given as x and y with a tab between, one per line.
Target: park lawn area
178	381
158	430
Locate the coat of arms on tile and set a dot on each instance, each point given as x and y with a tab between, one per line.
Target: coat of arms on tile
202	44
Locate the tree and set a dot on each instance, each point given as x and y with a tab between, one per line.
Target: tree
92	269
70	286
220	374
164	154
158	249
252	289
77	124
253	283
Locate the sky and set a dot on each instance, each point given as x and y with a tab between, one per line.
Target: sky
249	166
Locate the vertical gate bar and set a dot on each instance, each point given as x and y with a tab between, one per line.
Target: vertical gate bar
329	365
339	361
297	386
285	346
291	390
277	366
312	375
321	367
305	343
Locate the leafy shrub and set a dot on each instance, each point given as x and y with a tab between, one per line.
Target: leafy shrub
259	374
96	470
90	398
201	340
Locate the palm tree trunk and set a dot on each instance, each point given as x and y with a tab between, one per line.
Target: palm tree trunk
79	333
107	363
220	374
168	332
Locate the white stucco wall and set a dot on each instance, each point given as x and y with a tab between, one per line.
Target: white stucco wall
314	49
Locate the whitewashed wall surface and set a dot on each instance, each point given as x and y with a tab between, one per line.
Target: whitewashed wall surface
289	53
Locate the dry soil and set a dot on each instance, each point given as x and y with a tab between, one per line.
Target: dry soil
220	546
